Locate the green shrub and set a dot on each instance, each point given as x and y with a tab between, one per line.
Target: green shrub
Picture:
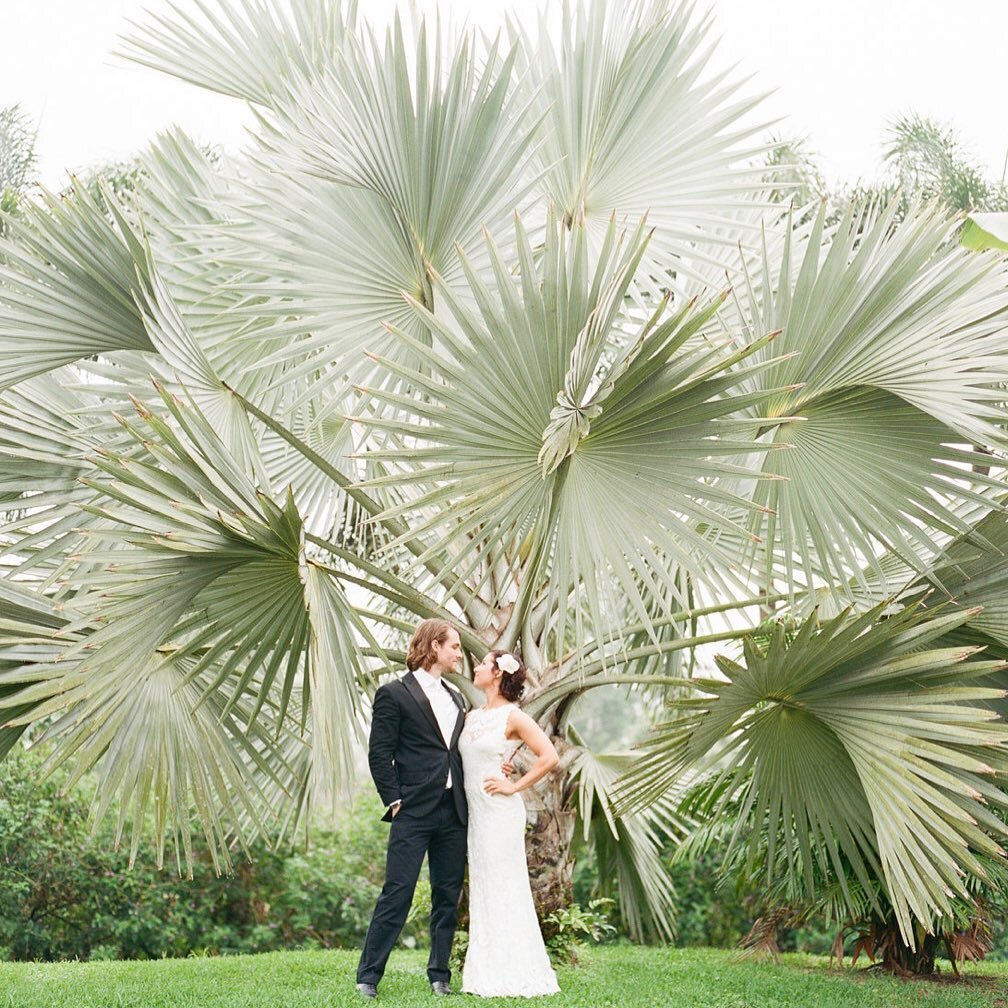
66	895
578	925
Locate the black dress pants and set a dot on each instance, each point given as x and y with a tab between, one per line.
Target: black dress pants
440	835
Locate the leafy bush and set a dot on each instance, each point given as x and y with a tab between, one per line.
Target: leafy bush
576	926
64	894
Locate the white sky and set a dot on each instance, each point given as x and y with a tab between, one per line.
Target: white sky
840	69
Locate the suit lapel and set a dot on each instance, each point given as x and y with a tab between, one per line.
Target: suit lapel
415	690
459	718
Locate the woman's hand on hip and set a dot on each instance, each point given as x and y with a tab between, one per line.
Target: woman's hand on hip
494	785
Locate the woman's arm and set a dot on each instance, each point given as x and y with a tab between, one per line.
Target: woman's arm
538	741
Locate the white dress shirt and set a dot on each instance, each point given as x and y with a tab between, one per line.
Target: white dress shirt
445	709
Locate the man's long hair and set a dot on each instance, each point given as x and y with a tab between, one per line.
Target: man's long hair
421	648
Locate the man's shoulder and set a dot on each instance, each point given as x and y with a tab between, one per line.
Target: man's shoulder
392	685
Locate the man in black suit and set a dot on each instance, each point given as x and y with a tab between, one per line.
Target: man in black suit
414	760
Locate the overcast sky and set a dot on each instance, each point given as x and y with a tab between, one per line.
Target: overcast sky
839	69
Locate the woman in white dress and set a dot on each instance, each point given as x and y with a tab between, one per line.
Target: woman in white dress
506	955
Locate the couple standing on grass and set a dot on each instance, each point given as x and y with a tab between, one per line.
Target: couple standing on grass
441	770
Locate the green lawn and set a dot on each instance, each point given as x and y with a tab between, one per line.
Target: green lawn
621	977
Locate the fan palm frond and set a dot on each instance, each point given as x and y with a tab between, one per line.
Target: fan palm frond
631	126
360	181
628	847
893	347
243	50
207	600
855	742
70	271
549	396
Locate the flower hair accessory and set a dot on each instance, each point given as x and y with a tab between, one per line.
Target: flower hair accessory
507	663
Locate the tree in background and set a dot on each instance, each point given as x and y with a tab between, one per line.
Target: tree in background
794	176
451	341
925	160
928	159
17	156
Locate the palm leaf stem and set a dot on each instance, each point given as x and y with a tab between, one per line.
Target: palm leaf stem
406	626
676	617
397	591
527	585
590	675
475	608
396	656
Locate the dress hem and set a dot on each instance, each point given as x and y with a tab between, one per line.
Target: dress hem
508	993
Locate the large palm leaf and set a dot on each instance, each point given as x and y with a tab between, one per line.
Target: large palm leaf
70	269
972	572
363	177
156	751
628	847
244	51
893	349
548	396
856	742
632	126
207	613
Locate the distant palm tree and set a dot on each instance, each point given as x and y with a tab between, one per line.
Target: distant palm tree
420	353
794	176
18	156
924	160
928	160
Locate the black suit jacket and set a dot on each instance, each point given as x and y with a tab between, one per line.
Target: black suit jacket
407	755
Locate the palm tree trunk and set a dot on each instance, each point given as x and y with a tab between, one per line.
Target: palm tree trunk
548	841
896	956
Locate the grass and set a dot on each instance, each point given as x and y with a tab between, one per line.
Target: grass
616	976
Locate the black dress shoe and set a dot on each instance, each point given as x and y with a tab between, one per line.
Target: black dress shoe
367	990
441	988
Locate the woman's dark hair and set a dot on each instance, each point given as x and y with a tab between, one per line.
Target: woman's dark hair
512	684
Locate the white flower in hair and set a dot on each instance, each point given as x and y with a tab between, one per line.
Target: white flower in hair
507	663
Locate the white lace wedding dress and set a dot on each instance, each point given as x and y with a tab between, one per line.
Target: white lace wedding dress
506	956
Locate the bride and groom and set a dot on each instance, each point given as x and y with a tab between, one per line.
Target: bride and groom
440	771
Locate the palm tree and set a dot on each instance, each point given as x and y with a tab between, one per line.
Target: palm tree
453	339
899	667
18	156
927	157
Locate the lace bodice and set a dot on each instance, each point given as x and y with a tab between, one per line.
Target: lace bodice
484	745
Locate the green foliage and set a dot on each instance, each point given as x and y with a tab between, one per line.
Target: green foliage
794	176
709	912
811	804
925	160
573	928
119	179
927	157
460	945
64	894
17	149
576	926
17	159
